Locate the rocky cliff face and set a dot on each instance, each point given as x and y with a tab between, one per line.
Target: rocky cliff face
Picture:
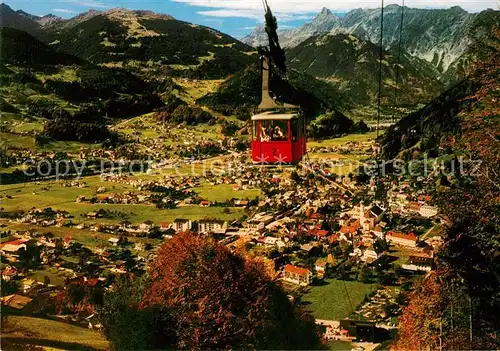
437	36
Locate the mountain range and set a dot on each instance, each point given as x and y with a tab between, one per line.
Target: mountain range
331	52
440	36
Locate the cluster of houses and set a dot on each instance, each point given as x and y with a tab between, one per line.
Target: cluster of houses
403	200
126	198
44	217
295	225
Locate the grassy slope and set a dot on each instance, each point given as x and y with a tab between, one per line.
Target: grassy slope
49	334
331	302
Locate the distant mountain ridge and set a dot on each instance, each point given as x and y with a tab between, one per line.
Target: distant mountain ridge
438	36
324	22
17	20
25	21
141	40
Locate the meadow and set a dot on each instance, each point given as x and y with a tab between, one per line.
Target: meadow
333	300
344	140
33	333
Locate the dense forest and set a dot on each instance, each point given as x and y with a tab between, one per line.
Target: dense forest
18	47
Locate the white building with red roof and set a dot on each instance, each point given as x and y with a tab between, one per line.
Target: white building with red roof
13	246
297	275
402	239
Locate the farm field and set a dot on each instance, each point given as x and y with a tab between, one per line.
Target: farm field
344	140
333	300
339	345
24	331
402	254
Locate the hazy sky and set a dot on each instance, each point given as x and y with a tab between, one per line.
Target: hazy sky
235	17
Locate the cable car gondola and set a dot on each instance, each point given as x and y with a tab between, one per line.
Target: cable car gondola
279	133
278	138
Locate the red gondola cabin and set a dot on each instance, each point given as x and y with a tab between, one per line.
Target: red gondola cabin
278	138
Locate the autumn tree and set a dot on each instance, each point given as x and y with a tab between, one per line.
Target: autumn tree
421	321
223	300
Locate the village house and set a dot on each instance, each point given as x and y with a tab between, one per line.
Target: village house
428	211
320	267
15	302
181	225
212	226
9	273
424	199
146	226
297	275
114	241
318	234
402	239
165	226
348	231
370	255
27	284
418	263
235	231
344	219
95	228
414	207
378	231
259	221
67	240
241	203
94	215
12	247
125	225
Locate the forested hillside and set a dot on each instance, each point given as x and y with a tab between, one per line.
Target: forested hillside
455	306
20	48
142	39
243	90
351	65
73	98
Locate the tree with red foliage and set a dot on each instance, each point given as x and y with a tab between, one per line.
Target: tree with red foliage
421	320
224	300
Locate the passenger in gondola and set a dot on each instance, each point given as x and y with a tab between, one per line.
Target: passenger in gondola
263	134
270	133
278	134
